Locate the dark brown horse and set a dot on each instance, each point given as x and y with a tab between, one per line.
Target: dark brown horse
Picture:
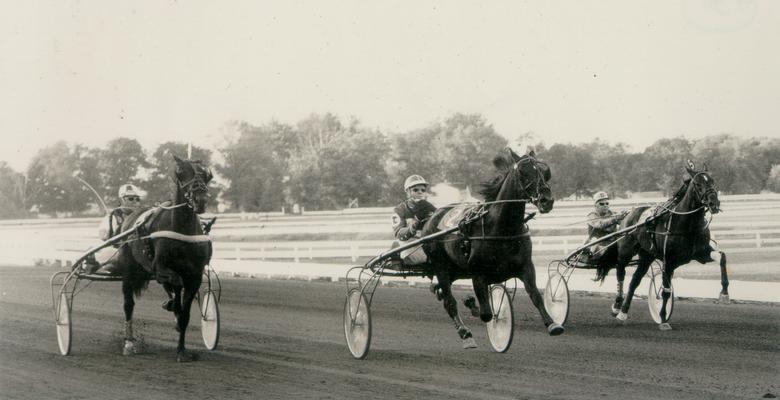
675	233
495	246
171	249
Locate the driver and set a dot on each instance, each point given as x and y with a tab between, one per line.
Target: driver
111	225
410	216
601	222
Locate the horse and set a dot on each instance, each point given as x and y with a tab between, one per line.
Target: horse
674	233
495	246
170	247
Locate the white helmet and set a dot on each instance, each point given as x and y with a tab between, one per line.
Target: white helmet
129	189
600	196
414	180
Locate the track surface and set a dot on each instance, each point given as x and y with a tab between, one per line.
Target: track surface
284	339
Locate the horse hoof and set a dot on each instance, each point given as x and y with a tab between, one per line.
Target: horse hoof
186	356
621	316
615	310
555	329
665	326
436	290
469	343
129	348
724	299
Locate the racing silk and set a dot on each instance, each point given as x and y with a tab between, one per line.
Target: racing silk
602	225
407	214
111	224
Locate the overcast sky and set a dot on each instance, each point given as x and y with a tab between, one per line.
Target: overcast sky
569	71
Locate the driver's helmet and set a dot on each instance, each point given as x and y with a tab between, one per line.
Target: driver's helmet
414	180
600	196
129	190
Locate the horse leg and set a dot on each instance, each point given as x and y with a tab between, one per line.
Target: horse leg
711	252
451	306
176	305
129	305
724	278
666	293
641	269
481	290
620	273
183	320
529	282
167	305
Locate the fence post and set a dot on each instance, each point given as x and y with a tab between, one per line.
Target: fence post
238	254
565	246
758	239
295	252
353	252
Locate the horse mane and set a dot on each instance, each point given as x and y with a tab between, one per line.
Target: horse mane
490	188
503	163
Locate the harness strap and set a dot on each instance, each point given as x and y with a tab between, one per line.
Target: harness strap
178	236
498	237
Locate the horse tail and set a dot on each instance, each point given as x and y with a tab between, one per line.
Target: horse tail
601	272
140	289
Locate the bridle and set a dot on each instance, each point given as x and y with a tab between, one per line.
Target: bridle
194	185
702	195
538	184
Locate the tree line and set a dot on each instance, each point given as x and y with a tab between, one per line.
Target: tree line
324	162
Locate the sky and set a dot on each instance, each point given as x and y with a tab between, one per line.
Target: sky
567	71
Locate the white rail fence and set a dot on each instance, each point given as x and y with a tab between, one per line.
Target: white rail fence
749	224
65	250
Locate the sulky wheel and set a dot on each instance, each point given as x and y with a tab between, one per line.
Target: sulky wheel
654	299
209	323
62	314
556	298
501	328
357	323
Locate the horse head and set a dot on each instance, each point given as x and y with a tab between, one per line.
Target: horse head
702	186
192	178
531	176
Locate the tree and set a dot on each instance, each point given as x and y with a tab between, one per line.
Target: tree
573	169
353	168
738	165
12	194
663	164
51	184
773	182
458	150
255	167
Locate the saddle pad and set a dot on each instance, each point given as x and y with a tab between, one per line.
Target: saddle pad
649	213
454	216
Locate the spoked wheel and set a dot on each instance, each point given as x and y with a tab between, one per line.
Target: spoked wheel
556	298
63	324
501	328
209	323
654	299
357	323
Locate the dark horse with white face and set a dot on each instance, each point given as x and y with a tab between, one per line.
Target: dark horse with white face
495	246
173	250
677	235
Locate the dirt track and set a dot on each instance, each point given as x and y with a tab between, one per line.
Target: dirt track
284	339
